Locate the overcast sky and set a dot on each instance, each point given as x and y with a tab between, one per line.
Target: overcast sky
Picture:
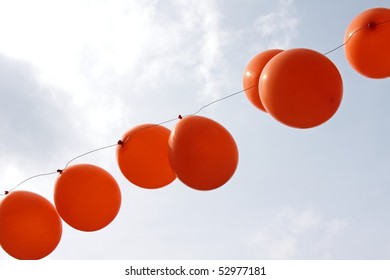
75	75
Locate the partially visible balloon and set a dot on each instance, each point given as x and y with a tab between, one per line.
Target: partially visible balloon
87	197
143	156
301	88
30	227
252	74
367	43
202	152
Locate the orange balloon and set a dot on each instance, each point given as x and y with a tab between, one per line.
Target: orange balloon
252	74
301	88
143	156
202	152
87	197
30	227
367	43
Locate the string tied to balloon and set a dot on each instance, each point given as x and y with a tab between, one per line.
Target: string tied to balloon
122	142
5	193
367	43
370	25
28	179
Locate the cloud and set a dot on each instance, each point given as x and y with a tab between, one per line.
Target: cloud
113	55
33	117
210	68
279	27
298	234
190	50
37	130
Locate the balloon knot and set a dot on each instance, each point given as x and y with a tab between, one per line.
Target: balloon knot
120	142
6	192
371	25
60	171
180	117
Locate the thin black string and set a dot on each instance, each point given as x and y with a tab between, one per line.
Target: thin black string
346	42
121	142
28	179
90	152
220	99
382	22
370	25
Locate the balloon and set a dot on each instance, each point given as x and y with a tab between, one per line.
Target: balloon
202	152
367	43
301	88
252	75
30	227
143	156
87	197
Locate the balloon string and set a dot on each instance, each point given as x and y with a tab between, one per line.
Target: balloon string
382	22
121	142
28	179
58	170
90	152
368	26
220	99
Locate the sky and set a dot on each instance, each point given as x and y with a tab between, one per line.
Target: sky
76	75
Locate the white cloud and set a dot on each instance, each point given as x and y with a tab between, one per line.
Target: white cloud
89	48
297	234
190	50
279	27
211	64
